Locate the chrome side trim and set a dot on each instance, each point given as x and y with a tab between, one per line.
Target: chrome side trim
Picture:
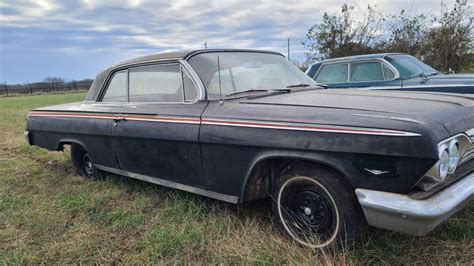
132	117
406	119
412	87
401	213
232	123
309	127
170	184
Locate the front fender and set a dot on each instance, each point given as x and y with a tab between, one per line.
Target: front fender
384	173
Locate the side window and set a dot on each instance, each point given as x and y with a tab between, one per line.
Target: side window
157	83
367	71
389	75
190	91
117	89
332	73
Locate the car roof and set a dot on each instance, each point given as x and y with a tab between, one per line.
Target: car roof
176	55
183	54
357	57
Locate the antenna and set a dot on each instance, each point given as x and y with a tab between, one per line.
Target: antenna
219	74
288	49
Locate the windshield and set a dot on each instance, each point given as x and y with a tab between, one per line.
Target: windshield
244	71
409	66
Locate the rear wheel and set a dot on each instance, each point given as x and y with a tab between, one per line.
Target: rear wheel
316	208
84	163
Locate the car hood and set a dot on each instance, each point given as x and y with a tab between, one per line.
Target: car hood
455	112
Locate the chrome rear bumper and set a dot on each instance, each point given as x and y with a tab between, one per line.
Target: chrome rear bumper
26	134
401	213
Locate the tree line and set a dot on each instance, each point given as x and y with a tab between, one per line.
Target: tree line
444	41
49	85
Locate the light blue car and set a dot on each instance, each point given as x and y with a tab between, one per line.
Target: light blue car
394	71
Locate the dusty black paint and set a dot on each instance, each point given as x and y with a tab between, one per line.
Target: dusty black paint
223	158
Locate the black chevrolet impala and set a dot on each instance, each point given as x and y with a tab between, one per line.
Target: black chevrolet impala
240	125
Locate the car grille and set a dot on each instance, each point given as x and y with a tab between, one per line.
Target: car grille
468	155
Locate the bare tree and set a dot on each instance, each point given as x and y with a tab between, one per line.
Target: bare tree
54	80
301	64
448	43
343	34
406	33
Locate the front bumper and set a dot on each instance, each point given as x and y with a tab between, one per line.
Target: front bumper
401	213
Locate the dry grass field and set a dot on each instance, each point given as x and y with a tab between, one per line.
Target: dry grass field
48	214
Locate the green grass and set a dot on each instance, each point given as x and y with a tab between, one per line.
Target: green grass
50	215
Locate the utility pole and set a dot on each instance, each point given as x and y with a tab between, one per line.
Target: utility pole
288	49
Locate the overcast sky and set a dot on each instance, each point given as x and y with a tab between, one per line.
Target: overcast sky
76	39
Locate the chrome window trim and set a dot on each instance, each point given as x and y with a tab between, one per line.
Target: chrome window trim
180	62
381	60
396	74
128	85
195	78
119	67
189	56
372	60
105	86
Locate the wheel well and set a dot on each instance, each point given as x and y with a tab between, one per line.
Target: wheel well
264	172
68	142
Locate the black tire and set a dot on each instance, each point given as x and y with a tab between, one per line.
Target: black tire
83	163
316	208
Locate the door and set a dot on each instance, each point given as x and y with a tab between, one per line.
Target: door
371	73
156	132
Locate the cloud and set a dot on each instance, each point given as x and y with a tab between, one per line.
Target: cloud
63	34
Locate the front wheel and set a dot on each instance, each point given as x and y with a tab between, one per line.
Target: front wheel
316	208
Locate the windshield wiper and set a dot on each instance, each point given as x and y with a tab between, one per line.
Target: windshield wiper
434	73
423	75
258	90
298	85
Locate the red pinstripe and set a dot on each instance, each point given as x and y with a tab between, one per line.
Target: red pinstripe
268	125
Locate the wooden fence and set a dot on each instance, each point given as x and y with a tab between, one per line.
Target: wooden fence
44	87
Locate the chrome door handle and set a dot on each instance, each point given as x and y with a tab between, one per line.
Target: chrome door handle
118	119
